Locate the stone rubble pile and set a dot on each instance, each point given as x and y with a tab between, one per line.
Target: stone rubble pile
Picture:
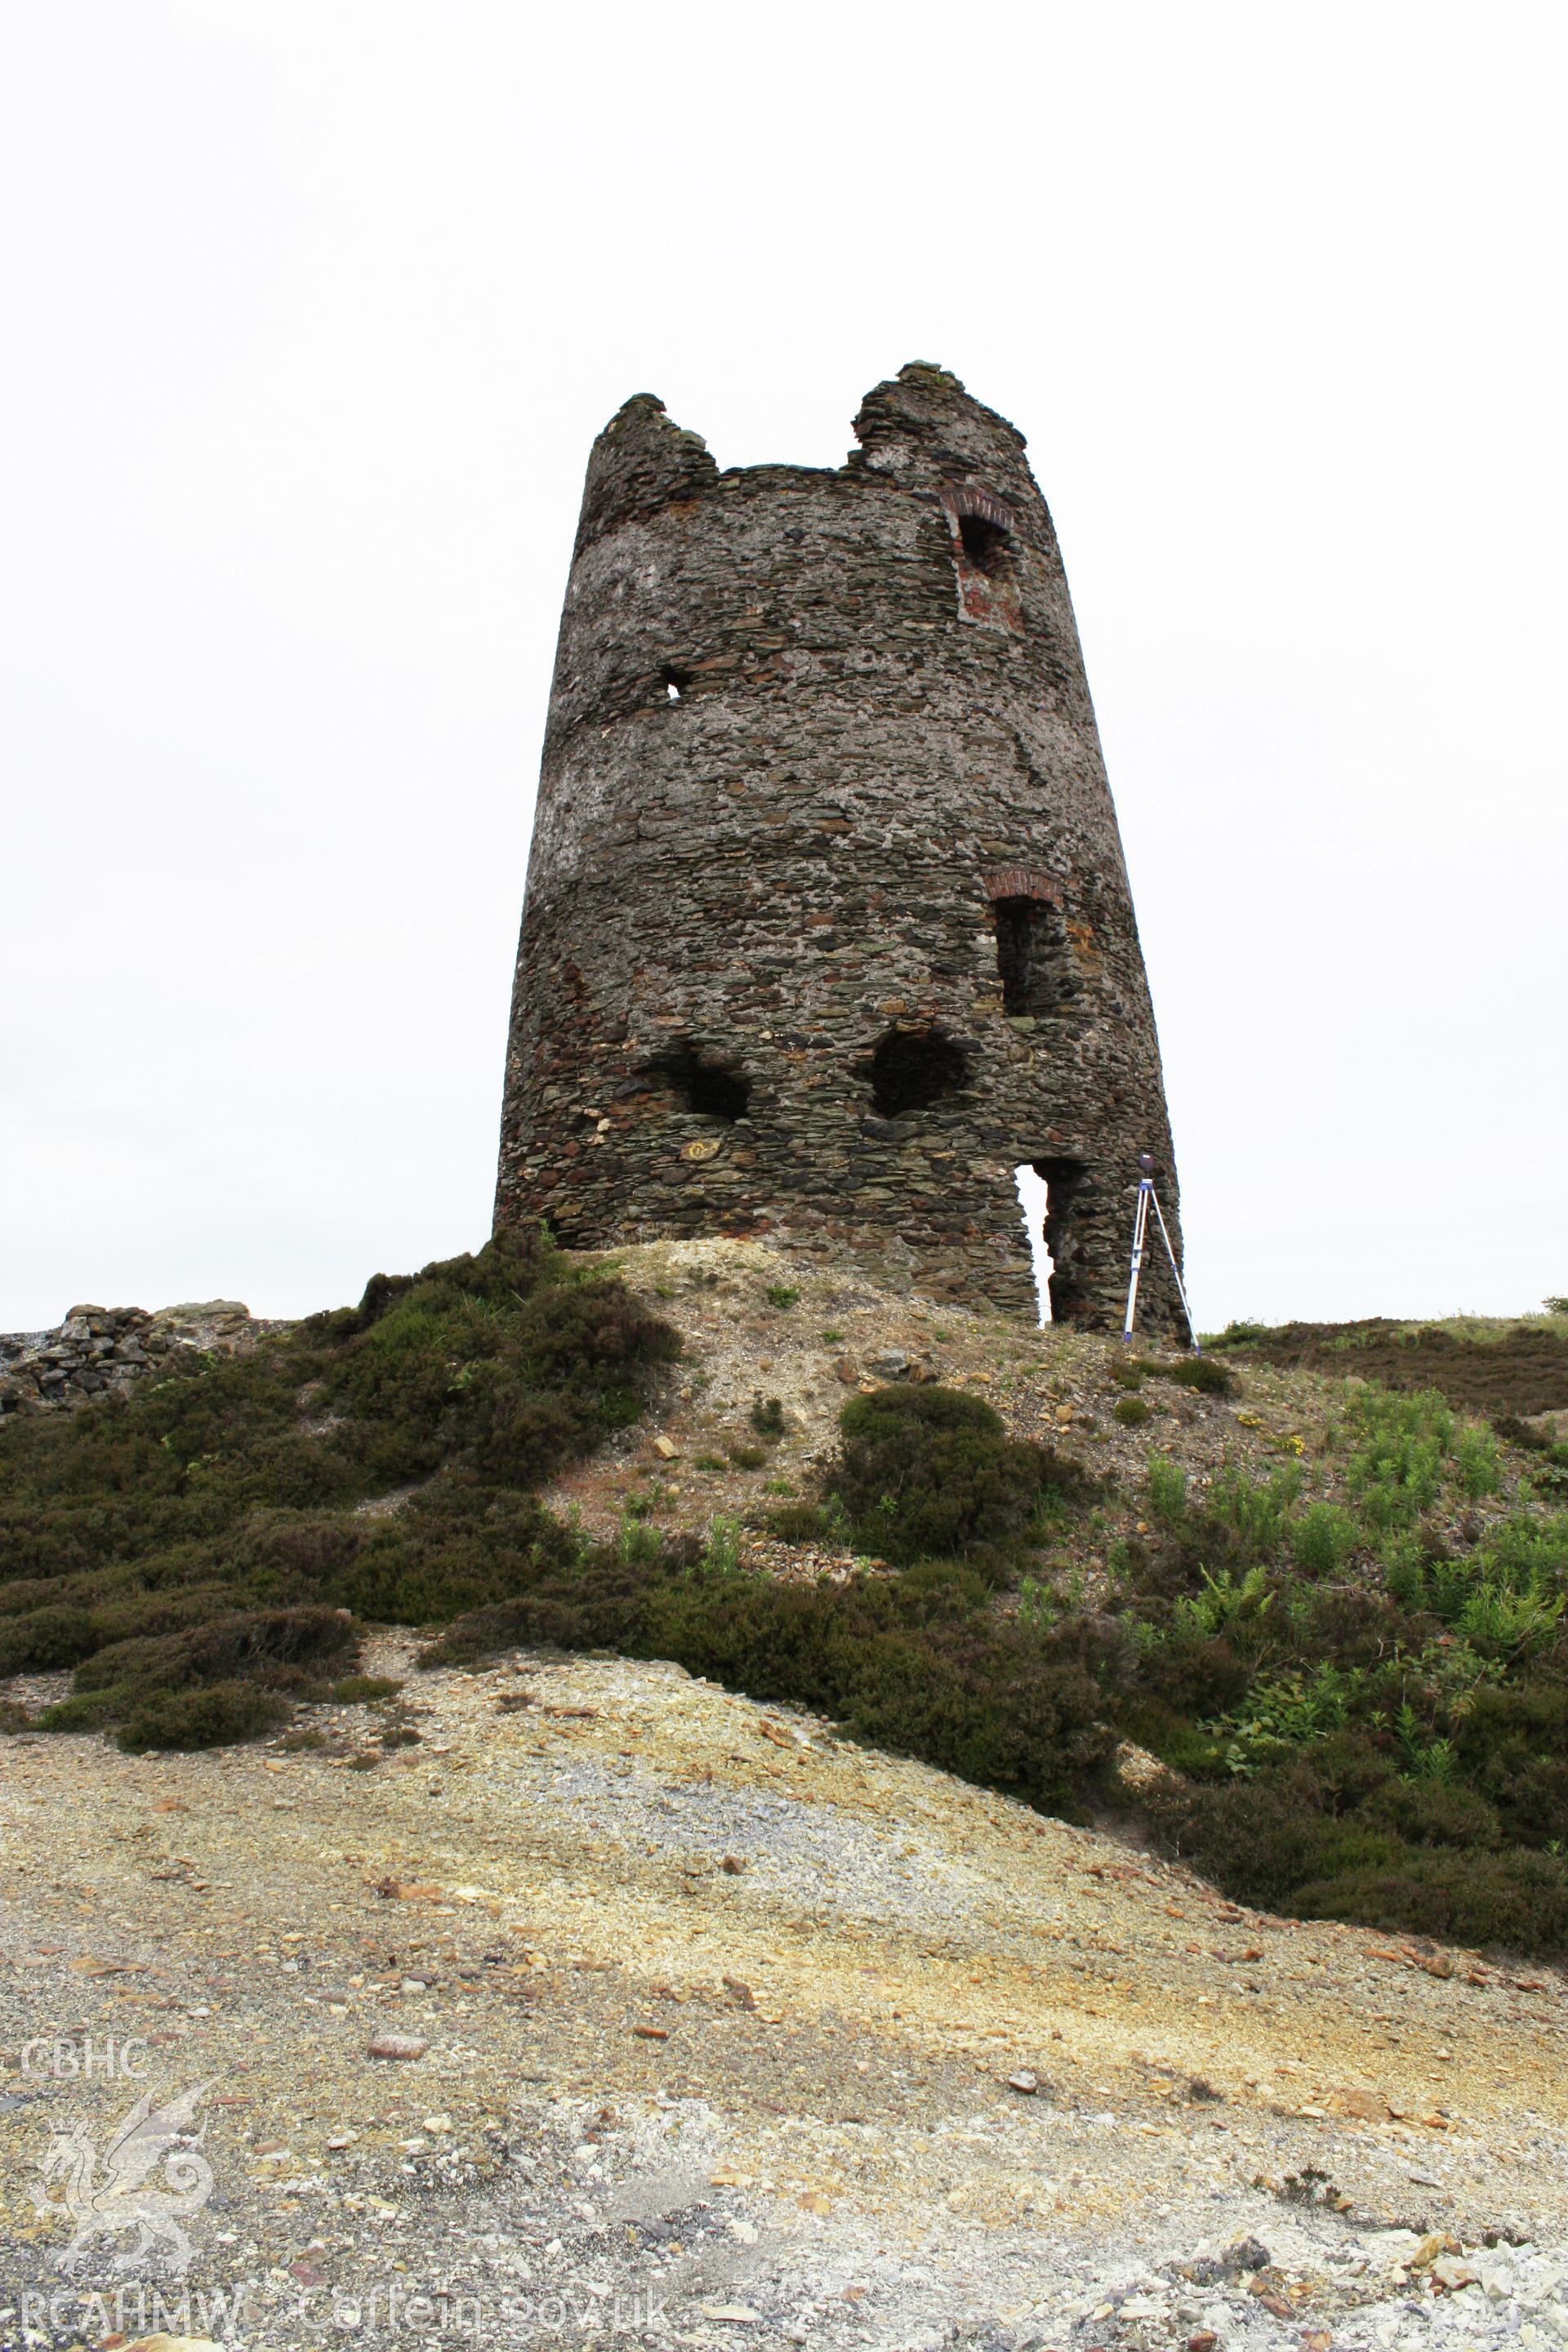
101	1351
1384	2290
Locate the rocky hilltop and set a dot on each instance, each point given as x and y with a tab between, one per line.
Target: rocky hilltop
99	1351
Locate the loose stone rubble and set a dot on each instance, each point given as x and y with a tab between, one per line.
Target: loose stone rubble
99	1351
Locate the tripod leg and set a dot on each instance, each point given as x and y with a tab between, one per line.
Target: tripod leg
1140	1226
1177	1274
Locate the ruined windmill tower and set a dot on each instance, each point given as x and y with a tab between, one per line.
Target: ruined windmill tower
828	928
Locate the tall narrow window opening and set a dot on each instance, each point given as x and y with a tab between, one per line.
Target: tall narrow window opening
985	557
1030	960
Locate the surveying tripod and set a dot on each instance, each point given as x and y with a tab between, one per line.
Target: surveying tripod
1148	1198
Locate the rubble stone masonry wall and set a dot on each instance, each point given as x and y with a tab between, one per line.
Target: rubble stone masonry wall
106	1351
827	927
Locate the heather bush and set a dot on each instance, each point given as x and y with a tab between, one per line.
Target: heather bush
1203	1373
198	1532
917	1664
928	1470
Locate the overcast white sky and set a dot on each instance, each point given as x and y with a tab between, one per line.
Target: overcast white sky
312	310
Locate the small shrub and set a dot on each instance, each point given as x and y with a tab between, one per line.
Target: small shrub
636	1541
781	1295
1167	1491
1397	1464
1514	1431
767	1416
930	1470
1201	1372
1475	1452
798	1523
914	1663
1254	1512
1499	1621
209	1718
1236	1335
721	1552
1131	1411
134	1530
1323	1539
363	1690
747	1457
1517	1901
1127	1375
1224	1601
49	1637
82	1711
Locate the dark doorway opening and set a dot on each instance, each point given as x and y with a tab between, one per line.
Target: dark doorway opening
713	1089
1067	1185
912	1068
1029	957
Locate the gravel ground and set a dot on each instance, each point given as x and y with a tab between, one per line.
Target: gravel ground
719	2017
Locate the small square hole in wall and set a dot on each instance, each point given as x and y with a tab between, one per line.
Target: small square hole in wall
983	542
711	1087
912	1068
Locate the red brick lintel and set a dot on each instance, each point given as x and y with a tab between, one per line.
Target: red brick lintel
1018	882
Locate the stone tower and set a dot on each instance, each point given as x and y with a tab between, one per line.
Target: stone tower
828	928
